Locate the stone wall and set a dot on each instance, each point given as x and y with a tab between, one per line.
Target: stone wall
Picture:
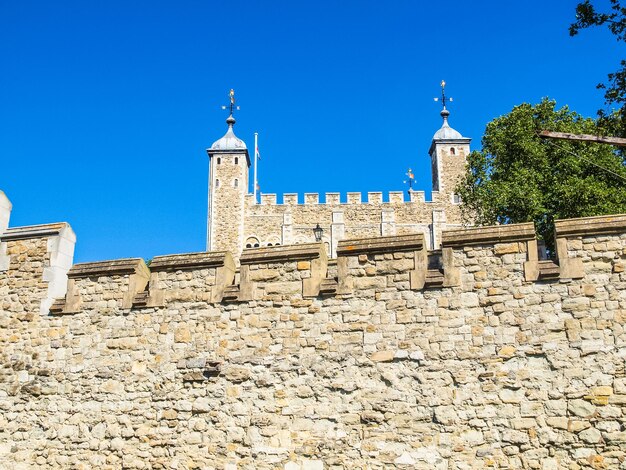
477	356
347	216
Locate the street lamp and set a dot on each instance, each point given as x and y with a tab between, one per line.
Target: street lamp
318	231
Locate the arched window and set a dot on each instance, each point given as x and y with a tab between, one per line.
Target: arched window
269	244
217	183
452	151
236	183
252	242
236	160
219	161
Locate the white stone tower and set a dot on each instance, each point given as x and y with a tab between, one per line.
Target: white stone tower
448	154
228	184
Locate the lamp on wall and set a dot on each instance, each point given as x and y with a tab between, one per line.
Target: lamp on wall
318	231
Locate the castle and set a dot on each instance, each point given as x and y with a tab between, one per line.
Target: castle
390	355
237	221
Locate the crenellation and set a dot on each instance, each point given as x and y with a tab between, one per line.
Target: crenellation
417	196
268	199
311	198
354	198
332	198
396	197
375	197
290	199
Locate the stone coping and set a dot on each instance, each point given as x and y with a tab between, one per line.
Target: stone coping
33	231
268	254
188	261
118	267
411	242
590	225
488	235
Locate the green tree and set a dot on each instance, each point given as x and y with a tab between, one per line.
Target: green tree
615	90
520	177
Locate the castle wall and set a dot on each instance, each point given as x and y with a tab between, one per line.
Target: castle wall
495	360
359	216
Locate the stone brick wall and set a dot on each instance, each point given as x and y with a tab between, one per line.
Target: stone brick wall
292	223
486	358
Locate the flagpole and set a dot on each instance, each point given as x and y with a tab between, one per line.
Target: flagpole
256	154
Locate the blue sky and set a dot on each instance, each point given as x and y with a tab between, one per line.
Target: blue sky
107	107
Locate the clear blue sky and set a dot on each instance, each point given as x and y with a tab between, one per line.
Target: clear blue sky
107	107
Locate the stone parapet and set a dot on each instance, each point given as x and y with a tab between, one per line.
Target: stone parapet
569	236
488	235
590	226
37	257
110	285
191	276
372	264
296	270
397	243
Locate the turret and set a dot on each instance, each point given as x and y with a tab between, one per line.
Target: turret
228	182
448	153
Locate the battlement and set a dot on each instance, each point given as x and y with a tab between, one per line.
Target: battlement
349	198
476	355
280	271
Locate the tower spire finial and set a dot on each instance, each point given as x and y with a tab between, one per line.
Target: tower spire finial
444	112
231	119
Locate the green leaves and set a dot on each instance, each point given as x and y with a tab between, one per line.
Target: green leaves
615	89
520	177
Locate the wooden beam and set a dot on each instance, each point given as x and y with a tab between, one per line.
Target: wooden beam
617	141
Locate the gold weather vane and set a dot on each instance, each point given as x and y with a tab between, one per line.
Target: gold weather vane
233	108
444	99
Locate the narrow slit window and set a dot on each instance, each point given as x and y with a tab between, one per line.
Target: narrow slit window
219	161
217	183
236	160
452	151
236	183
